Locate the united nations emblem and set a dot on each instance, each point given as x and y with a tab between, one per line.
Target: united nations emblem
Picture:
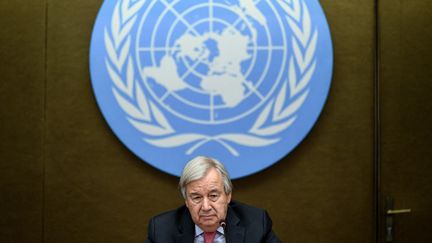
242	81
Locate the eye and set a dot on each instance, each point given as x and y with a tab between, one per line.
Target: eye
213	196
196	198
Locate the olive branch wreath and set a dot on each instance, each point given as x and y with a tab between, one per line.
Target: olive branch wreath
147	118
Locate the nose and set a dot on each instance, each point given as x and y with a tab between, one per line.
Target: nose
206	204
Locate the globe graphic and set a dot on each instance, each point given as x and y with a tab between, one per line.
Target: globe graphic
211	62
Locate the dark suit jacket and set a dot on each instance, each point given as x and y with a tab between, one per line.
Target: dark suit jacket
243	224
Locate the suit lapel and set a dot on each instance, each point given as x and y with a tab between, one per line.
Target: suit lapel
184	238
234	233
186	229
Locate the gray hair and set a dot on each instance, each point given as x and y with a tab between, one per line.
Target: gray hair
197	168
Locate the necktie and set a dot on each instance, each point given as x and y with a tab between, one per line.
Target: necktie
209	236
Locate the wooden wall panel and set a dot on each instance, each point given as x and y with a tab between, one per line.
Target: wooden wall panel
406	115
22	70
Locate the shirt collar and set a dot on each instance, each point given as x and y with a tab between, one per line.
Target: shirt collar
199	231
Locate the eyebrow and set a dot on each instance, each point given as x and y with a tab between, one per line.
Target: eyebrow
199	194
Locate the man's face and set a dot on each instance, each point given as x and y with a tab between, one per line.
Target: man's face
207	201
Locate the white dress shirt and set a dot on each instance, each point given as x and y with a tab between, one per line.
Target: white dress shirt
219	237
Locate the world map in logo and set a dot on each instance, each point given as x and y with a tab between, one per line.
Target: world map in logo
243	81
205	64
222	71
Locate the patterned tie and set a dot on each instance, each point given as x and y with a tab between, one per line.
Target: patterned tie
209	236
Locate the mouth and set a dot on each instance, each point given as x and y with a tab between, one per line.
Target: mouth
207	217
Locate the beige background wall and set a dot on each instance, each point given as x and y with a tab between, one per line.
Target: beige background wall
64	176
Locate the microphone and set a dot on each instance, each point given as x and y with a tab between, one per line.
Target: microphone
222	223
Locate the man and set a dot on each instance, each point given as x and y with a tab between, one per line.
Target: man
208	214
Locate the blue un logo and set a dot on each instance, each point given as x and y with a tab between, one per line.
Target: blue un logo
242	81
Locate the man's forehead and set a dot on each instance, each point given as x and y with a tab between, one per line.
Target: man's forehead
198	186
204	185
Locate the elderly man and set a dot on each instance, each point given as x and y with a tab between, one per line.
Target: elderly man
208	214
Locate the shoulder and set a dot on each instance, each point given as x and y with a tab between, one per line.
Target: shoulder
255	220
166	226
247	212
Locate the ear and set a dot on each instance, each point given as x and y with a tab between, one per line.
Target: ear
186	203
229	197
